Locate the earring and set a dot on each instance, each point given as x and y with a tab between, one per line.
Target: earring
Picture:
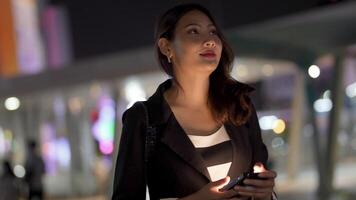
169	59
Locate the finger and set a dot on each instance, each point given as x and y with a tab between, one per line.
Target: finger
260	183
221	182
239	198
229	194
254	189
268	174
256	195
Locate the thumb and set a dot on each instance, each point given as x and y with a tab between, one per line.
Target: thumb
222	181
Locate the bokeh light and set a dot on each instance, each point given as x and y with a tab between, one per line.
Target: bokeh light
314	71
19	171
323	105
12	103
351	90
279	126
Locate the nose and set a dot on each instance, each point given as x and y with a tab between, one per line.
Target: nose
210	43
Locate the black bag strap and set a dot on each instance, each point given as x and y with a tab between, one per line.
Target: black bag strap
151	136
150	142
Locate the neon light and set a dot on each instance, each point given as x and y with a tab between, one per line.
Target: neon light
106	147
104	126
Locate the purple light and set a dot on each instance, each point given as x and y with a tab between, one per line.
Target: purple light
103	127
106	147
30	50
48	134
63	152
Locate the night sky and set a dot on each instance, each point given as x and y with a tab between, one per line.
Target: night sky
108	26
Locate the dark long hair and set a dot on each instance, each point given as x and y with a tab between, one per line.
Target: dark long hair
227	97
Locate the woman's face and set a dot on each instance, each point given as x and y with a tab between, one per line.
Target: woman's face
196	47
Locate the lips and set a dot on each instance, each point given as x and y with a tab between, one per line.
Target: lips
208	54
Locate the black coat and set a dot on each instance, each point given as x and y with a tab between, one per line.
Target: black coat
176	169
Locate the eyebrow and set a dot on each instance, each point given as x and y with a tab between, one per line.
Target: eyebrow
194	24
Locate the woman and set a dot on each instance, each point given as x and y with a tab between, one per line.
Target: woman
207	128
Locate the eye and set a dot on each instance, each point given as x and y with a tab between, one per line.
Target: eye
213	32
193	31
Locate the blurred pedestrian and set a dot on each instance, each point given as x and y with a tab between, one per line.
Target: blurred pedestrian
35	170
9	183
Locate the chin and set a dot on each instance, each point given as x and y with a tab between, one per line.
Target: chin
208	67
211	64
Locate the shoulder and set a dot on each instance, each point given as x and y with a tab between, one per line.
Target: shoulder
135	112
240	87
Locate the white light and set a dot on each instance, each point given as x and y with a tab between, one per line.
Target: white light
351	90
314	71
267	70
19	171
12	103
326	94
134	92
242	71
267	122
63	158
323	105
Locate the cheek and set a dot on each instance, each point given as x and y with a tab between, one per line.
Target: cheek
184	48
219	45
219	49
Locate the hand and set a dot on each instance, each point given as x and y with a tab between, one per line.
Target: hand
259	189
211	191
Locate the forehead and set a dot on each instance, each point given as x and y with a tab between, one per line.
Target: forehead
194	17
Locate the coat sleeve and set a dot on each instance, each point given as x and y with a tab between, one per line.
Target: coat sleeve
129	179
260	153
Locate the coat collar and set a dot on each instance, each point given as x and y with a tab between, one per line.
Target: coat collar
159	110
176	139
173	134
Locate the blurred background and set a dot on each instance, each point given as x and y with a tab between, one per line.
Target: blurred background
69	69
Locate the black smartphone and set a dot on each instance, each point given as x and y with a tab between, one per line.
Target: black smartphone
240	180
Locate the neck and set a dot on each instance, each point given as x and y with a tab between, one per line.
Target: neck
192	91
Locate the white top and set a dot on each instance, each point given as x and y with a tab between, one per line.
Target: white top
212	147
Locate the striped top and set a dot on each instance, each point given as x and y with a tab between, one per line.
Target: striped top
216	150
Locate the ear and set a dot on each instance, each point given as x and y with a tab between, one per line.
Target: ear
164	47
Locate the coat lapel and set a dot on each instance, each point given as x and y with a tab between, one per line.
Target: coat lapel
176	139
